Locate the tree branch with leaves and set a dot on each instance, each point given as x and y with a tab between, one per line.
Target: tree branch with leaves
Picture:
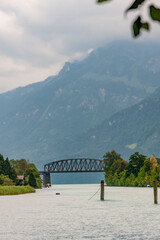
138	23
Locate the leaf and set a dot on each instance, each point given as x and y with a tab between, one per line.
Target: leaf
145	26
155	13
138	25
100	1
135	5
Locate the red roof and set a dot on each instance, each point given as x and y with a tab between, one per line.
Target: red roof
20	177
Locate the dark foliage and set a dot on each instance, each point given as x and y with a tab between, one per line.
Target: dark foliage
136	161
32	180
138	25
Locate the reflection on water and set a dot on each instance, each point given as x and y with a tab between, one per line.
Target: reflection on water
126	213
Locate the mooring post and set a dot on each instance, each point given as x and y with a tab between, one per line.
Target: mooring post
102	191
155	192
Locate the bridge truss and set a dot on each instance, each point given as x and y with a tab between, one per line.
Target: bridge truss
75	165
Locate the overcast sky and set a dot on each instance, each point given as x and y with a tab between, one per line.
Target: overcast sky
38	36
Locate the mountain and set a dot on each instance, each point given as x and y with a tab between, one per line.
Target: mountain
135	129
40	121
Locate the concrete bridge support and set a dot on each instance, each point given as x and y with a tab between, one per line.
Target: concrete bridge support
46	179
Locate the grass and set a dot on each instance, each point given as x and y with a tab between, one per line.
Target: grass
15	190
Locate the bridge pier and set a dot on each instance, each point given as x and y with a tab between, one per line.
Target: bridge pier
46	179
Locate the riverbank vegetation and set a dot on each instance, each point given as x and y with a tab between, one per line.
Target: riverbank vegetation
15	190
18	176
140	171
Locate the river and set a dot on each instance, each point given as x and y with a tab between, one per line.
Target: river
126	213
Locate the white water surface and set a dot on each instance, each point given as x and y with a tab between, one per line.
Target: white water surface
126	213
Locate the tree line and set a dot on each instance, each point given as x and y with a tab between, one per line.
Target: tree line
140	171
18	172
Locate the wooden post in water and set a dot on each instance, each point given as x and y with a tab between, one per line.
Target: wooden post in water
155	192
102	191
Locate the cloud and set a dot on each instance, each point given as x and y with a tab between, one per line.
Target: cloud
37	36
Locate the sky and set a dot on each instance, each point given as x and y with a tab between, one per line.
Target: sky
38	36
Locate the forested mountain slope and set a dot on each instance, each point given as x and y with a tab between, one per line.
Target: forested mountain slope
135	129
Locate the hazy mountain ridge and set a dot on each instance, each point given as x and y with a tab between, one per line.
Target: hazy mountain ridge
39	120
133	129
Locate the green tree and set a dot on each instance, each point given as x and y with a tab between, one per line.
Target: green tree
32	180
138	23
8	170
109	159
147	166
130	181
5	180
32	170
38	183
141	177
155	174
136	161
22	166
6	167
1	179
13	163
118	166
122	178
35	172
115	180
1	164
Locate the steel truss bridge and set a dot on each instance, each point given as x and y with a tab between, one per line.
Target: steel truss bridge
71	166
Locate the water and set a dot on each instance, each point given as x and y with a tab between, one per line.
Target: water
127	213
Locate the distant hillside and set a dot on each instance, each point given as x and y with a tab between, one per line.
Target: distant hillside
39	121
136	128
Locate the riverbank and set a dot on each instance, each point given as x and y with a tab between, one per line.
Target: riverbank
15	190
